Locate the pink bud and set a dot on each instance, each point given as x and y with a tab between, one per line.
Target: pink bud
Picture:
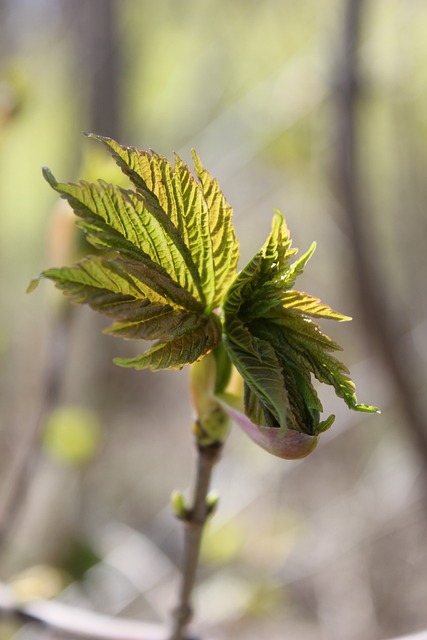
284	443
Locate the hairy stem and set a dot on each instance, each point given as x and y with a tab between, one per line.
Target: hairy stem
194	522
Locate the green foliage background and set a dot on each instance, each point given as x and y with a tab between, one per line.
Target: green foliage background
249	85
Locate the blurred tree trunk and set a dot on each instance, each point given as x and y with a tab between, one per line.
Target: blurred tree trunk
377	302
3	30
97	52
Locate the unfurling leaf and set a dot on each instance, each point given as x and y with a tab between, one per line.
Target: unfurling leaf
165	271
273	342
169	254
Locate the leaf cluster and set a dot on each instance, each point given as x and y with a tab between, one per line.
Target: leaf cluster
169	253
165	271
274	343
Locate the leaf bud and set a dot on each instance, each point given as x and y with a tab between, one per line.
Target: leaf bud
179	504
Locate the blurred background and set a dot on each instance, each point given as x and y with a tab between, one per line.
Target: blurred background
318	109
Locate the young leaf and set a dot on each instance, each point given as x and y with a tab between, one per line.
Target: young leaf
115	218
169	252
198	210
277	348
179	351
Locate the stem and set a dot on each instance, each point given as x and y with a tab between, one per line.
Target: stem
194	521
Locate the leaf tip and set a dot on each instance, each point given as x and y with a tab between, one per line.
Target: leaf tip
34	283
325	424
95	136
340	317
367	408
306	257
49	177
197	162
121	362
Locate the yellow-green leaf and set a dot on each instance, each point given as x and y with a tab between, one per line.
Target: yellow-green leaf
225	248
199	211
168	254
176	353
311	306
115	218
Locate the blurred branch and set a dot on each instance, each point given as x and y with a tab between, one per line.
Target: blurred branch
374	298
76	623
416	636
194	521
27	453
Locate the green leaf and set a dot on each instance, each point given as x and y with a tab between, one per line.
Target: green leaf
275	345
176	353
114	218
85	280
156	322
225	248
199	212
257	363
168	254
311	306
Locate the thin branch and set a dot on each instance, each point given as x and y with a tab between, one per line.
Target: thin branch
73	622
374	297
194	523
